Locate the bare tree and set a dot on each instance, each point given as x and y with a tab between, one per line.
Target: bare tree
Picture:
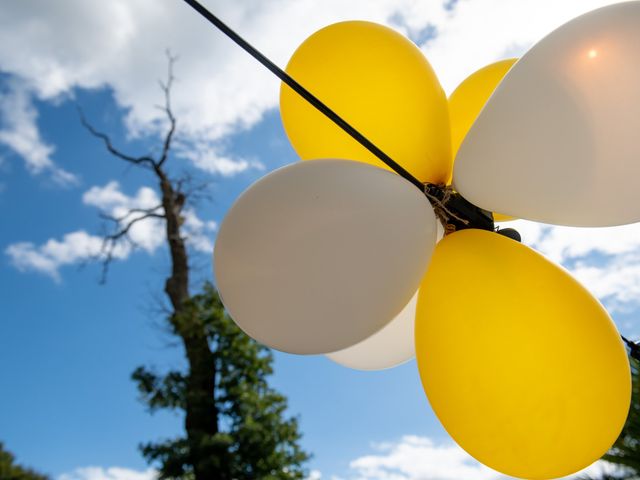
201	415
225	382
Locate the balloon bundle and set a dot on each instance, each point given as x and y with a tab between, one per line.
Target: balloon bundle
343	256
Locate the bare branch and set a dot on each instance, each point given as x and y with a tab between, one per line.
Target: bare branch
118	220
125	230
173	202
192	191
111	241
166	88
143	161
109	247
198	193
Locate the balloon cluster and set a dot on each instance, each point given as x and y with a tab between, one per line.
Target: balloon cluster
341	256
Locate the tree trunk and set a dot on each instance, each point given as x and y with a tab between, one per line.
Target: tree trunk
201	420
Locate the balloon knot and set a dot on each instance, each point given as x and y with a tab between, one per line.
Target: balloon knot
454	212
439	195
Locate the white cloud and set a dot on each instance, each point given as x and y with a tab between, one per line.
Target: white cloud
208	158
198	232
479	32
148	234
562	244
605	260
78	246
219	88
420	458
105	197
314	475
53	254
19	132
414	458
112	473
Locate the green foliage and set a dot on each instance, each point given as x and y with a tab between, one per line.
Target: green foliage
626	450
253	438
10	471
625	453
617	476
165	391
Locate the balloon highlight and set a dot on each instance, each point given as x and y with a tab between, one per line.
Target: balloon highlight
558	140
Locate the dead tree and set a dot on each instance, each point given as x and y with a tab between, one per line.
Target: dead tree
201	415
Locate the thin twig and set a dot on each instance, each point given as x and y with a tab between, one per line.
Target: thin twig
111	241
166	88
125	230
131	211
124	223
142	161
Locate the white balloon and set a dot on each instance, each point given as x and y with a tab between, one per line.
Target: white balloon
390	347
439	231
319	255
559	140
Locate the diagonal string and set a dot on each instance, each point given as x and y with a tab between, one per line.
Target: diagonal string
306	94
333	116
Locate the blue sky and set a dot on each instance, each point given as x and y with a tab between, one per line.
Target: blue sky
68	344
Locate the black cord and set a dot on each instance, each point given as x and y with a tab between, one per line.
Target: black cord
634	348
304	93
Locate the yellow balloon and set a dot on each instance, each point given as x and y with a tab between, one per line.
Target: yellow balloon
468	99
379	82
499	217
537	387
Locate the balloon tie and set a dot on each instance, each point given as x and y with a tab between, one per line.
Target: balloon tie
439	195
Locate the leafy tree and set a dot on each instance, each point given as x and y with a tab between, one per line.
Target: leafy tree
251	440
625	453
235	425
626	450
9	470
615	476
